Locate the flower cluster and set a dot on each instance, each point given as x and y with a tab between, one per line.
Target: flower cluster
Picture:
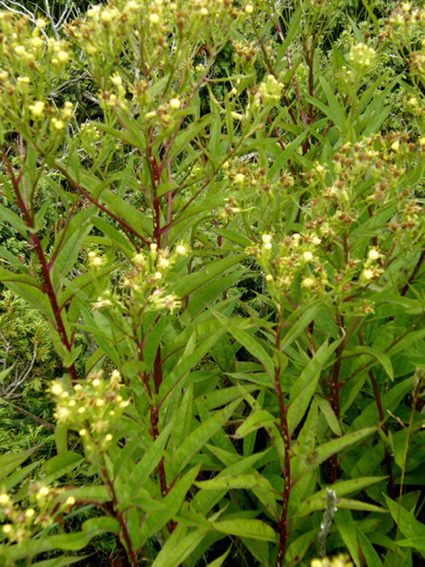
269	92
147	280
362	56
30	65
21	524
93	408
337	561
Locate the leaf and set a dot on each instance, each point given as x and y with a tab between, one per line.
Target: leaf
319	500
171	504
61	465
369	553
197	439
323	452
409	526
381	357
91	528
149	462
10	462
15	478
304	386
220	560
14	220
188	361
255	529
61	561
252	345
328	412
347	529
261	418
178	547
199	278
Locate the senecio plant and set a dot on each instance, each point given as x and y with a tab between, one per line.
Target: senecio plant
233	280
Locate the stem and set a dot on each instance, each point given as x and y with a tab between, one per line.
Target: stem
283	524
385	430
127	553
45	268
414	273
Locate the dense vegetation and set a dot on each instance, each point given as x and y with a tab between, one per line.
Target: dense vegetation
212	314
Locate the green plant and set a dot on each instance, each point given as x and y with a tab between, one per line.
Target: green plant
212	425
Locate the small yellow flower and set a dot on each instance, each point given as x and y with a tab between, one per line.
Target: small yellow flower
56	389
63	56
108	437
96	382
83	432
154	19
175	103
374	254
7	528
20	50
116	80
308	283
70	501
58	124
249	8
368	274
30	513
239	178
37	108
116	375
4	498
307	256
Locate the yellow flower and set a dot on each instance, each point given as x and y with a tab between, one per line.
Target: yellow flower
154	19
175	103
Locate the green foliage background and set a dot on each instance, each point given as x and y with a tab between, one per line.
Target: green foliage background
211	263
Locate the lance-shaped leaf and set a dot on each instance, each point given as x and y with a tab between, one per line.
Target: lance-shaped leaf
197	439
320	454
246	527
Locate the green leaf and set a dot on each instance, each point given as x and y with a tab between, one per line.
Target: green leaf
323	452
252	344
10	462
369	553
304	386
179	546
149	462
14	479
199	278
14	220
255	529
409	526
261	418
197	439
220	560
381	357
319	500
171	504
347	529
61	561
61	465
91	528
